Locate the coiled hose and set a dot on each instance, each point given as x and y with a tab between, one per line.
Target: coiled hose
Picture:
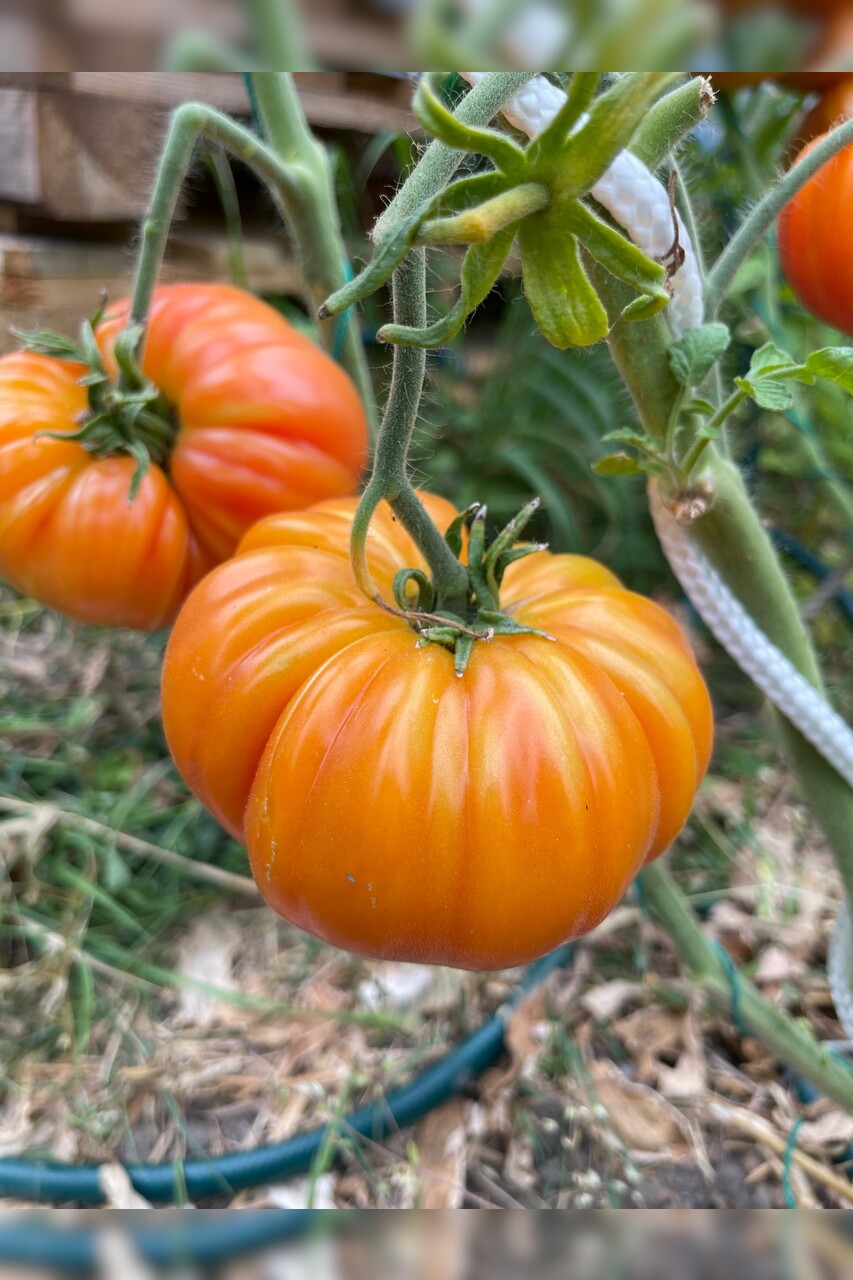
225	1175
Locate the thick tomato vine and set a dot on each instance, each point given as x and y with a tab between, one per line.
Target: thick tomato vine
399	810
260	419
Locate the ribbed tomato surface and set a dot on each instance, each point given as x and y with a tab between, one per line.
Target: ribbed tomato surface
398	810
266	422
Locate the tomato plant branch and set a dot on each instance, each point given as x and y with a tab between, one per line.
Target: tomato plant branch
310	209
439	162
390	477
714	424
731	534
278	34
792	1042
765	213
295	169
220	171
190	122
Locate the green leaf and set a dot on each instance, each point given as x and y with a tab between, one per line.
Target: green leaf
45	342
769	357
767	392
479	224
613	121
630	435
616	253
466	192
833	363
390	252
547	148
453	533
480	269
442	124
618	464
565	306
693	356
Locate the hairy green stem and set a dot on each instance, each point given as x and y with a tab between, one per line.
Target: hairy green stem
200	51
390	477
311	213
792	1042
223	179
190	122
294	167
694	454
278	35
670	119
767	211
734	539
438	163
390	474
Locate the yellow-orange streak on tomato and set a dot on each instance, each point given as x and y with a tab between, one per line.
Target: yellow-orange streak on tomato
397	810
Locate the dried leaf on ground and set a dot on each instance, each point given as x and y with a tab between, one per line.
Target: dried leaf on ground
442	1143
206	955
608	1000
643	1119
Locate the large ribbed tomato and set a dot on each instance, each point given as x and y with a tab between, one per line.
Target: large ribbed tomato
398	810
815	248
264	422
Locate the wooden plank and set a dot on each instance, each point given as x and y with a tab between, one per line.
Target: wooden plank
20	178
163	88
81	146
327	100
48	283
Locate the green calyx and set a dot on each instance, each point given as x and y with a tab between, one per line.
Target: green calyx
539	196
482	618
129	416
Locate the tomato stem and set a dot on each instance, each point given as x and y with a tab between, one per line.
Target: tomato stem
733	537
310	211
439	162
189	122
219	166
767	211
279	38
390	477
295	168
793	1042
694	454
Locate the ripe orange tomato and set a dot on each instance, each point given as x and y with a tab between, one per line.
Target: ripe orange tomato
814	244
397	810
265	422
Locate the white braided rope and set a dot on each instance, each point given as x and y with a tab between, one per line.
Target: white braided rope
765	665
771	671
839	965
630	193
